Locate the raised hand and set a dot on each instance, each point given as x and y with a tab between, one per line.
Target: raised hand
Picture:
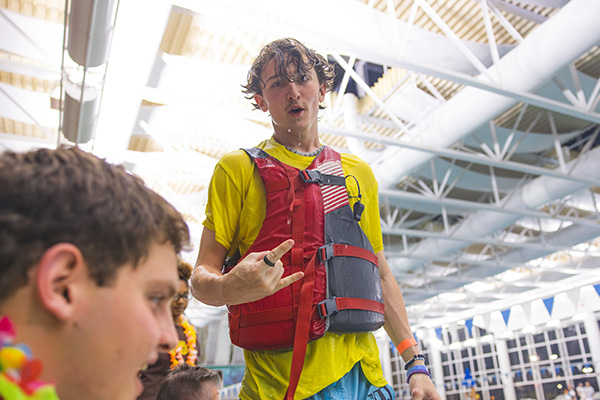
254	278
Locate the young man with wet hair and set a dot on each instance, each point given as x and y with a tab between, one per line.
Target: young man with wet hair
252	208
88	268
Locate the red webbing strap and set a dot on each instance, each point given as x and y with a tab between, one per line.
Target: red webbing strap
353	251
297	221
302	328
355	303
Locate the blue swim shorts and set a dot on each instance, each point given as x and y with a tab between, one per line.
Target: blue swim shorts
354	386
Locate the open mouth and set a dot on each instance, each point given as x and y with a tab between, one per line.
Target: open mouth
296	111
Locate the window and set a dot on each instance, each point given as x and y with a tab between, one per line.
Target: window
586	346
525	392
573	348
529	375
552	390
518	375
542	353
559	370
545	371
539	338
561	352
496	394
569	331
514	358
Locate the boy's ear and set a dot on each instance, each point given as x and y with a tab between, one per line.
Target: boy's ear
322	91
260	101
61	267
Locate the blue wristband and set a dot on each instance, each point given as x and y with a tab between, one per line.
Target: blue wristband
417	369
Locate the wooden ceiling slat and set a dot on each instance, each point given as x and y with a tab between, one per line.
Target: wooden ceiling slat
49	10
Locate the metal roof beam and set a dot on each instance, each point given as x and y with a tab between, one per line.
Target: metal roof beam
403	196
459	155
464	239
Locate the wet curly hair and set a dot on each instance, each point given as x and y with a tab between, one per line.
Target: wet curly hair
286	52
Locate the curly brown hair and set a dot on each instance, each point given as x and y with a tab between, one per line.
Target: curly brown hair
184	269
70	196
286	52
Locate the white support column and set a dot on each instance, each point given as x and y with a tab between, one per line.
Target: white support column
435	363
506	375
593	335
223	347
209	349
133	54
218	346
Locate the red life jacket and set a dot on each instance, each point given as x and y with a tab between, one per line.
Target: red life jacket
341	288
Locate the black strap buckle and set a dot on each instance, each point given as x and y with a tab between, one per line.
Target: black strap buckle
327	307
325	252
311	176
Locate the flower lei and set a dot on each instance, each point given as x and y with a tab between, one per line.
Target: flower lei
176	355
18	370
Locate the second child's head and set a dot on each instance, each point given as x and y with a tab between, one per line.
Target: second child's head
191	383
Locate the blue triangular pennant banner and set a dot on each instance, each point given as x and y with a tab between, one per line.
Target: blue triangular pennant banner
549	303
469	324
597	287
438	333
468	380
506	315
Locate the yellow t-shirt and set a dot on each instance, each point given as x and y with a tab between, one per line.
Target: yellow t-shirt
235	212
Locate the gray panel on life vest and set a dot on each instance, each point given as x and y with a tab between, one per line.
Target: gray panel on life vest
351	276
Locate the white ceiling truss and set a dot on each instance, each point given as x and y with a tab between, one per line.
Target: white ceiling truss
482	129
